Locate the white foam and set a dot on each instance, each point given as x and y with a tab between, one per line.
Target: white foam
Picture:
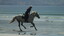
42	18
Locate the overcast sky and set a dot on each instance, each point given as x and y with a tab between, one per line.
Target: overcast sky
32	2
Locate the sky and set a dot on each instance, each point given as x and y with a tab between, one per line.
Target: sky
32	2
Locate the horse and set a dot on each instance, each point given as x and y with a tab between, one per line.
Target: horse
21	20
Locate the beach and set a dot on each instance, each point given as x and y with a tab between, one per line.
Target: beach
51	22
47	25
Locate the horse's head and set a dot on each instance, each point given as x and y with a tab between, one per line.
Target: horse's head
35	14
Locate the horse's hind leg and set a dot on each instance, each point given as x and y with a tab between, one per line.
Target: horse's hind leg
23	25
19	26
34	26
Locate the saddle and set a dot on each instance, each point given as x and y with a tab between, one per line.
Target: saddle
23	17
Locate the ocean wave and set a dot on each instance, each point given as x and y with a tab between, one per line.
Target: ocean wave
42	18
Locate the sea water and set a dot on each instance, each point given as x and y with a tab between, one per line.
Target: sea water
40	9
48	24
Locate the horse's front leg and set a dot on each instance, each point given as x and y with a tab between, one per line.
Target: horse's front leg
33	25
23	25
19	26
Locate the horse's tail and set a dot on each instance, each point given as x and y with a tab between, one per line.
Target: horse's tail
13	20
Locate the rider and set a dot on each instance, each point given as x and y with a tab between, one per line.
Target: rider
26	15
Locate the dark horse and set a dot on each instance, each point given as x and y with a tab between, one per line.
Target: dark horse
30	20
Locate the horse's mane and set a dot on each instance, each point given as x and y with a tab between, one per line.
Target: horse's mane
33	12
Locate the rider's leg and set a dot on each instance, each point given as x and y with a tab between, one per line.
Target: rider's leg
26	17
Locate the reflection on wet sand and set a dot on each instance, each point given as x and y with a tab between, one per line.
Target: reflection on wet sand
26	33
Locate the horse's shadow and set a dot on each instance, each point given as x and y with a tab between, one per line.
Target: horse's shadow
25	32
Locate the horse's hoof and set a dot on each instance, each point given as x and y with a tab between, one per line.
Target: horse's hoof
19	33
31	26
20	30
36	30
